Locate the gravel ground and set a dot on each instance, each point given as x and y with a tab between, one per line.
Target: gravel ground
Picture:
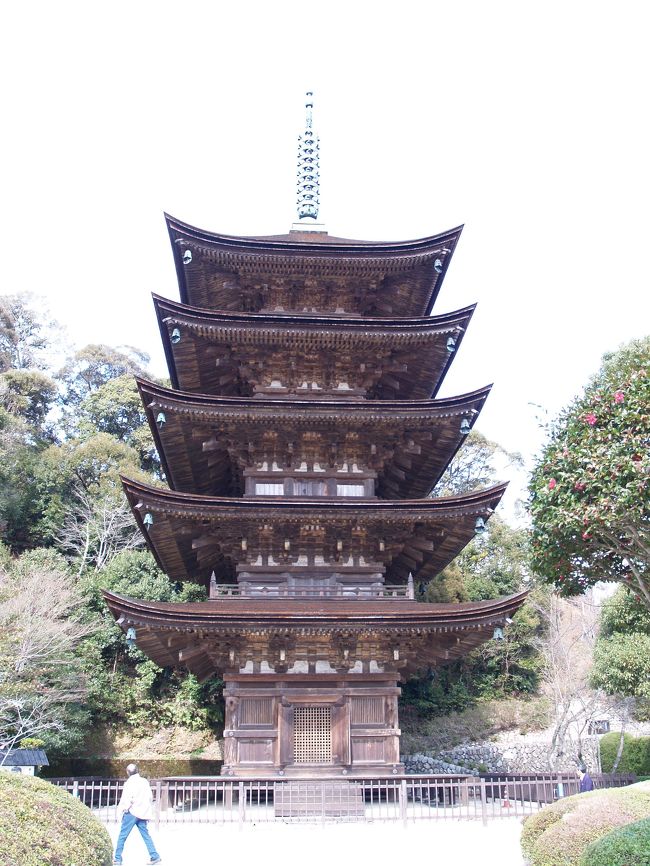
458	842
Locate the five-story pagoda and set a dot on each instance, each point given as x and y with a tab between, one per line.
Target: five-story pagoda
300	441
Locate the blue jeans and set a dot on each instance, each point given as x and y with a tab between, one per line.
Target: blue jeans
129	821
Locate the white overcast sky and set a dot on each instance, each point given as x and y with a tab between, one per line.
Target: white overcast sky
527	122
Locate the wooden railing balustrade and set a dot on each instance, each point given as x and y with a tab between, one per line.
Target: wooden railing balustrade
228	590
223	800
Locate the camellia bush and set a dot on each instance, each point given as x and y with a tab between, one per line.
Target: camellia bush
590	488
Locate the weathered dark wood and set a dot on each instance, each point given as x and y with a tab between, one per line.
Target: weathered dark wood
300	452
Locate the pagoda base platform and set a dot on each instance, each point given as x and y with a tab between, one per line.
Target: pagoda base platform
311	725
331	799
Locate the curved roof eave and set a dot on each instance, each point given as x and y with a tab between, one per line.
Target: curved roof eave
285	320
318	612
209	401
318	242
467	502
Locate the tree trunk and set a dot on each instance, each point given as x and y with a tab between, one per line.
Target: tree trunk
621	742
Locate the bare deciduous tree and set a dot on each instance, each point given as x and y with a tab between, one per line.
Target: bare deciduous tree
567	648
95	528
39	628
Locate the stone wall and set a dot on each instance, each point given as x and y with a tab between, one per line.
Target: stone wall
505	757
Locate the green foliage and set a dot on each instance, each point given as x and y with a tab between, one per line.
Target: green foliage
123	684
623	847
624	613
41	825
23	334
116	408
495	562
66	492
40	559
609	744
589	490
77	467
492	565
28	394
559	834
622	665
438	693
95	365
474	466
634	759
622	652
18	496
31	743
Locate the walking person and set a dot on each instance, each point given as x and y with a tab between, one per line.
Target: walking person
586	782
136	808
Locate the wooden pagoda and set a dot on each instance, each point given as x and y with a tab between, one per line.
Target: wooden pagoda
300	441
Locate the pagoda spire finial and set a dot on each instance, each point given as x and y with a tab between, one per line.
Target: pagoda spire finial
308	166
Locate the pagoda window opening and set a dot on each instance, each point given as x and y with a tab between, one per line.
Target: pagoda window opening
311	487
308	487
267	489
350	490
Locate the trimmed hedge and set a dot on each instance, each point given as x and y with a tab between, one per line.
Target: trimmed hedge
635	758
41	825
623	847
559	834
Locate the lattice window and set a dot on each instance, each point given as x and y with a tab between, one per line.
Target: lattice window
312	735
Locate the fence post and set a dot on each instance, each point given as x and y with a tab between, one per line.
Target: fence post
158	799
403	798
75	788
242	803
483	803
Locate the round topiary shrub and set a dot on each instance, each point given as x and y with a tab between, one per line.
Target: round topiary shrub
635	757
622	847
609	747
41	825
559	834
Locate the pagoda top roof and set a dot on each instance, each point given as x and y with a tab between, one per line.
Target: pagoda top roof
207	278
310	240
208	439
192	535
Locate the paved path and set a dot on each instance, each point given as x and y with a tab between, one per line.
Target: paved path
382	844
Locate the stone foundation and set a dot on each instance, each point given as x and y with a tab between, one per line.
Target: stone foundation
506	757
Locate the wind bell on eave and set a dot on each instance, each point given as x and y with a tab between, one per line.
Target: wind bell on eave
308	171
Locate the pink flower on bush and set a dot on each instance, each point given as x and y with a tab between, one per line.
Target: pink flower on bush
590	418
585	536
619	396
579	486
552	484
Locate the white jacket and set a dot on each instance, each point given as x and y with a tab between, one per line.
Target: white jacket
137	798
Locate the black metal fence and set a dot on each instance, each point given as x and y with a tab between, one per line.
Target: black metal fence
222	800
